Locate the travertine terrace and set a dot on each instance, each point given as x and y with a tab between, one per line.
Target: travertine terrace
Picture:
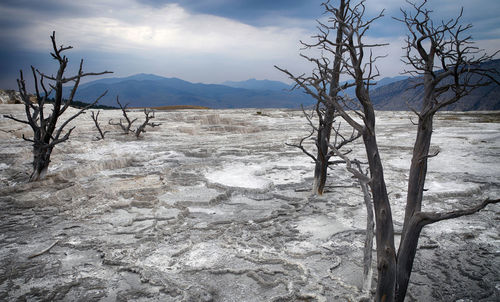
212	206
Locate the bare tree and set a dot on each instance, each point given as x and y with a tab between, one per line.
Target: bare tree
363	73
460	64
95	119
315	86
324	110
126	128
46	133
457	73
150	114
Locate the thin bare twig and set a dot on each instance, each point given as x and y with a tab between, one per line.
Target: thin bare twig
43	251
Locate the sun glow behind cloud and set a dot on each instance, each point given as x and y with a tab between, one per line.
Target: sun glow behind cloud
161	36
170	28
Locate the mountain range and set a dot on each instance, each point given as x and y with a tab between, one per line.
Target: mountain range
400	95
148	90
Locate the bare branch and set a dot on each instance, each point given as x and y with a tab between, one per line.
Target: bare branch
429	156
15	119
44	250
425	218
359	175
95	118
77	114
301	146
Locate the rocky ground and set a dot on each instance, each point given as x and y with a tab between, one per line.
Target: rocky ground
212	206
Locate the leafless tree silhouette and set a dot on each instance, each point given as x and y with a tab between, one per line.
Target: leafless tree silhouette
150	114
46	131
95	118
457	73
330	68
126	128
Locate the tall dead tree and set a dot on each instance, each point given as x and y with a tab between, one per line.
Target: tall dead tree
46	131
324	110
448	66
460	63
361	68
346	17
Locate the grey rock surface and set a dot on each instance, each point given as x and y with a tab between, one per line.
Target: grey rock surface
212	206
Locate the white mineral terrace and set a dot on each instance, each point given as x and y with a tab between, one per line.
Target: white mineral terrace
213	206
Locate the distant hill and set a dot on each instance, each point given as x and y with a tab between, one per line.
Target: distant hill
382	82
400	95
146	90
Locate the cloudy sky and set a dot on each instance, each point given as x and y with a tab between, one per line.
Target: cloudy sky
207	41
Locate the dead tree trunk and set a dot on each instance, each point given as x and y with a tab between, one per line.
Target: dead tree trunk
46	133
41	161
363	73
322	141
386	254
325	128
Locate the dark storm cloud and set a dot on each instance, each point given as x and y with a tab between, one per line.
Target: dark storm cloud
257	12
46	8
200	40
